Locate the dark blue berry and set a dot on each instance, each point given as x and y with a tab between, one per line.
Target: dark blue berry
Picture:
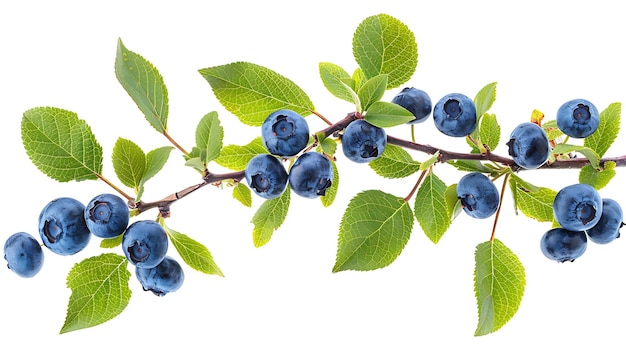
363	142
529	145
311	175
266	176
62	226
478	195
416	101
577	207
145	243
23	254
611	220
107	215
563	245
578	118
455	115
285	133
166	277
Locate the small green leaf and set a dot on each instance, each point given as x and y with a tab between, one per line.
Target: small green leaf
242	193
372	91
110	243
431	209
394	162
196	255
209	136
331	192
386	114
453	204
326	145
499	283
155	160
129	163
534	202
270	215
334	78
384	45
552	130
60	144
373	232
470	166
607	131
100	291
430	161
489	131
358	77
252	92
592	156
485	98
143	82
597	178
236	157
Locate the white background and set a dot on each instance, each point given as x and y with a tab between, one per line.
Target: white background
283	296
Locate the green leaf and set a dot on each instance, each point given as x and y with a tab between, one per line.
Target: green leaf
430	161
109	243
386	114
453	204
270	215
489	131
374	229
327	146
60	144
485	98
331	192
155	160
597	178
242	193
372	91
129	163
251	92
236	157
470	166
551	129
209	137
394	162
499	283
591	155
334	78
196	255
384	45
358	77
143	82
607	131
431	209
534	202
100	291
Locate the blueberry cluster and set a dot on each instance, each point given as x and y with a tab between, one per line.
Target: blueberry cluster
66	226
582	214
285	134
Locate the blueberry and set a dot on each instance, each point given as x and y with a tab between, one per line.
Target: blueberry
266	176
145	243
107	215
166	277
455	115
609	224
416	101
578	118
577	207
363	142
62	226
478	195
23	254
529	145
563	245
311	175
285	133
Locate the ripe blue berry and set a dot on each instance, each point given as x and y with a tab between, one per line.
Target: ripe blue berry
145	243
609	224
478	195
107	215
563	245
455	115
266	176
578	118
23	254
577	207
416	101
166	277
529	145
363	142
311	175
62	226
285	133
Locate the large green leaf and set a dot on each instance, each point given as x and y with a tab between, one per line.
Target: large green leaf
145	85
60	144
100	291
607	131
236	157
431	209
385	114
195	254
373	232
597	178
394	162
499	283
534	202
251	92
384	45
269	216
